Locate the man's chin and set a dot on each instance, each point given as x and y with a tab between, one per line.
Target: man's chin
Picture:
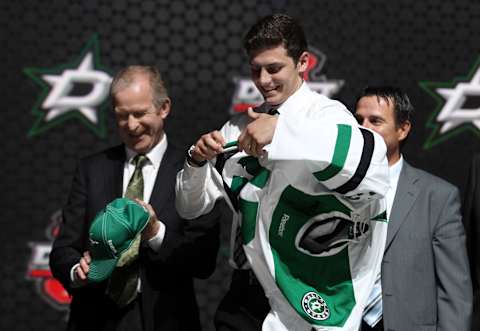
273	100
140	148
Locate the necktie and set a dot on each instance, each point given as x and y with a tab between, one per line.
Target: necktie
272	111
124	280
373	310
239	256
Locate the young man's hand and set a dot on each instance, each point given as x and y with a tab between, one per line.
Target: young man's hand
258	133
208	146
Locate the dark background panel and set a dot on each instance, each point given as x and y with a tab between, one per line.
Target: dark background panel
197	46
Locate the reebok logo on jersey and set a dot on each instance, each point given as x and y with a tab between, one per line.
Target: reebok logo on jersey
283	222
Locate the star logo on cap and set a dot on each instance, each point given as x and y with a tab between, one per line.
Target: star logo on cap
458	106
78	89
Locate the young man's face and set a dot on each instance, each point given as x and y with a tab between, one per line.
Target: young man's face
275	74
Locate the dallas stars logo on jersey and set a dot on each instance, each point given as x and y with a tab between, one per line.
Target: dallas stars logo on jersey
315	306
78	89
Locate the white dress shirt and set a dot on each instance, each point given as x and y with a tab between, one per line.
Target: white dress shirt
149	171
394	175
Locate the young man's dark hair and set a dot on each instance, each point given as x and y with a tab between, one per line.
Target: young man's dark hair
401	102
275	30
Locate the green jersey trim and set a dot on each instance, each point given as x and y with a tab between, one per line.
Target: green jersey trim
297	273
342	145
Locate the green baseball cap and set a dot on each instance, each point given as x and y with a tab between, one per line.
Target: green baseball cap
112	232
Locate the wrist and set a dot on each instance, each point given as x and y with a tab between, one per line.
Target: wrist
151	230
191	160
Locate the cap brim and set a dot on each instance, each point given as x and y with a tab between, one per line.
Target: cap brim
99	270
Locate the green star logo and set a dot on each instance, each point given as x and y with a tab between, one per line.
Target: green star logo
458	106
78	89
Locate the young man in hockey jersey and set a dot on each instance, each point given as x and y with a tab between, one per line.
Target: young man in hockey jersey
306	185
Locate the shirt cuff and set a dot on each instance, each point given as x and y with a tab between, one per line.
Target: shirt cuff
193	171
156	241
73	279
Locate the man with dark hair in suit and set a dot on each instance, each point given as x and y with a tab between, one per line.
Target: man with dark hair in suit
425	277
171	250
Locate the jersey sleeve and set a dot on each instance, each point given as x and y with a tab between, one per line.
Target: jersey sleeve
340	154
197	188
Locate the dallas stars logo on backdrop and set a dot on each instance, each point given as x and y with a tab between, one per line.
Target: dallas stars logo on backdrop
458	106
76	90
247	95
48	288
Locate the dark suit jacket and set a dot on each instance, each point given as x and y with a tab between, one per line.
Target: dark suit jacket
471	220
188	250
425	273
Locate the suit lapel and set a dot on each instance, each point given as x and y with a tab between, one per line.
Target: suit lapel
165	172
113	173
407	192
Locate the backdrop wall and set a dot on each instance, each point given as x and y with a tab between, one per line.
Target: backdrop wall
58	57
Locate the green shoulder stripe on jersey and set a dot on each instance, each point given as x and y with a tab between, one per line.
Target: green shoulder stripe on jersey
237	184
340	153
363	165
261	178
249	219
251	164
382	217
298	273
253	167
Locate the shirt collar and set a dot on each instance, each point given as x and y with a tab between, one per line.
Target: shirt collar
395	169
296	99
155	155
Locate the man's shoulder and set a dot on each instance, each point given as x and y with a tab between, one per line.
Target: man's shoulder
110	153
431	181
175	153
324	100
325	107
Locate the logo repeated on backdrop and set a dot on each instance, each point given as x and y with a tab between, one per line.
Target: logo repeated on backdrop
247	95
48	288
458	108
78	89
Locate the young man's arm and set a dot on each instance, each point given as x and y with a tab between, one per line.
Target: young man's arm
199	184
343	156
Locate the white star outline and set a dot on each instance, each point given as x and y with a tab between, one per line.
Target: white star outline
58	102
452	115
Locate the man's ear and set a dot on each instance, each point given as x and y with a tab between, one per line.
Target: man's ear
302	64
165	108
403	130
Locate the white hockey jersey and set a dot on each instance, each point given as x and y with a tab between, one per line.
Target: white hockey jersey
312	211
